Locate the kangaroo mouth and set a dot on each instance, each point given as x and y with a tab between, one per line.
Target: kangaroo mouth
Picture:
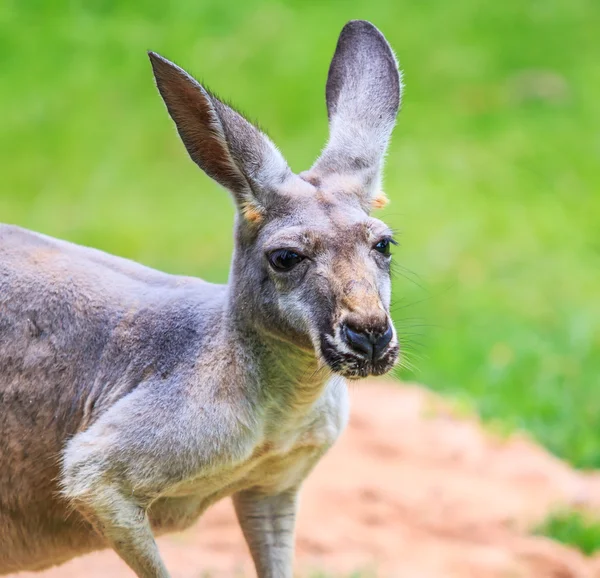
351	365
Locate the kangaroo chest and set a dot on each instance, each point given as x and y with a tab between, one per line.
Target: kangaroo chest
276	464
272	473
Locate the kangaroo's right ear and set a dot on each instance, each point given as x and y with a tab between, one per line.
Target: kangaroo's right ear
221	141
363	95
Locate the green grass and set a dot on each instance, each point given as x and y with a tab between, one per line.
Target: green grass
574	529
493	171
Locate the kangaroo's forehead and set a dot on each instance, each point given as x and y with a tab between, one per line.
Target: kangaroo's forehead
321	219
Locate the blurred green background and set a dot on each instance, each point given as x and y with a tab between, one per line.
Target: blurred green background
493	172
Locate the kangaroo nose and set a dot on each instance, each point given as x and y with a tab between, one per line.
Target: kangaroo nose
371	344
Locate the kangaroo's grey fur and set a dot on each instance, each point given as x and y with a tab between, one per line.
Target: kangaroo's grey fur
131	400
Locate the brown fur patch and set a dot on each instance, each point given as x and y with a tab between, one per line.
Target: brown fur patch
262	450
252	213
380	201
310	178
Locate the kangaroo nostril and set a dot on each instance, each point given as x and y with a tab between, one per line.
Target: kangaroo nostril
382	341
359	341
369	343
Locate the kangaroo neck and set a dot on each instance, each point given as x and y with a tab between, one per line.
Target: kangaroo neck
288	377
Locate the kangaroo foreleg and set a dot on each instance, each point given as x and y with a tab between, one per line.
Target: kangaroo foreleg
124	525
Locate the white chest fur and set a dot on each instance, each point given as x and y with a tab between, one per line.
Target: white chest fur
277	463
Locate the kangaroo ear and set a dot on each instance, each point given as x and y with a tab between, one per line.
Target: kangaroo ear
221	141
363	96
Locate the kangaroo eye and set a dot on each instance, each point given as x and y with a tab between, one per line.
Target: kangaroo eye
284	259
383	247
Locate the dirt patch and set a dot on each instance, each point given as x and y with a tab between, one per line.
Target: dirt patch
410	491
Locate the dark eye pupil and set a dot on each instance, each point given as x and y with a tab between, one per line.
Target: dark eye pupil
284	260
383	247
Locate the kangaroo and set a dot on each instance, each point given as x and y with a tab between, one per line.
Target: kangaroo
132	400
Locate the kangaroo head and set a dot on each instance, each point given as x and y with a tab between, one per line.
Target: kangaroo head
311	266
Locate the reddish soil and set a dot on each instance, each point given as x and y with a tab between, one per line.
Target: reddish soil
410	491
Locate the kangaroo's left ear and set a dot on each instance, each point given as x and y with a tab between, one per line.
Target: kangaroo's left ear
363	96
